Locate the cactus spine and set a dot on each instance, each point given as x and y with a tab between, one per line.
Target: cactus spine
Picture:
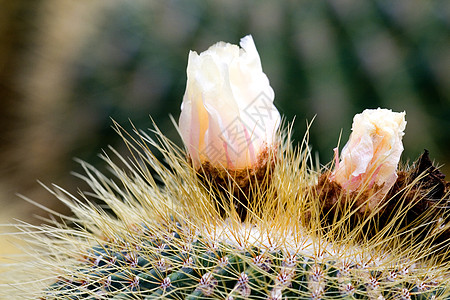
171	241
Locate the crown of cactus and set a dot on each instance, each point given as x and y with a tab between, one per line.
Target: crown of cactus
189	238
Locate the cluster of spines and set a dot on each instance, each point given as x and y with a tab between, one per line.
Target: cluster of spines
174	267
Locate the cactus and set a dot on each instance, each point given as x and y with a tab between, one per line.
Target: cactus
163	237
180	267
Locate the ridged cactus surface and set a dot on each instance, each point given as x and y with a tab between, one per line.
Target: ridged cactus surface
180	266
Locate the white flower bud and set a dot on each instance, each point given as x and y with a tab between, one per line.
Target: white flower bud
372	154
227	115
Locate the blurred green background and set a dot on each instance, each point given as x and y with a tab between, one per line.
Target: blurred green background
68	67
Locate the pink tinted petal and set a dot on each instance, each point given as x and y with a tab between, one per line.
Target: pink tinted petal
372	154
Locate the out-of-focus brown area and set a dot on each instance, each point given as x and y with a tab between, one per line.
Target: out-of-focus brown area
13	44
38	41
67	67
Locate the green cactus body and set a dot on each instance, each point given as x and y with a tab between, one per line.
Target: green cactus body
177	268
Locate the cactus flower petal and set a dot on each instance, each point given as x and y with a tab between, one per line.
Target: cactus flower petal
227	115
372	154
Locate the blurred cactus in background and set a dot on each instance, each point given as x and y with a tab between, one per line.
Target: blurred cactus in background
82	63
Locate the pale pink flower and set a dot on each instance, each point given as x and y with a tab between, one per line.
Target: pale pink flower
372	154
227	115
